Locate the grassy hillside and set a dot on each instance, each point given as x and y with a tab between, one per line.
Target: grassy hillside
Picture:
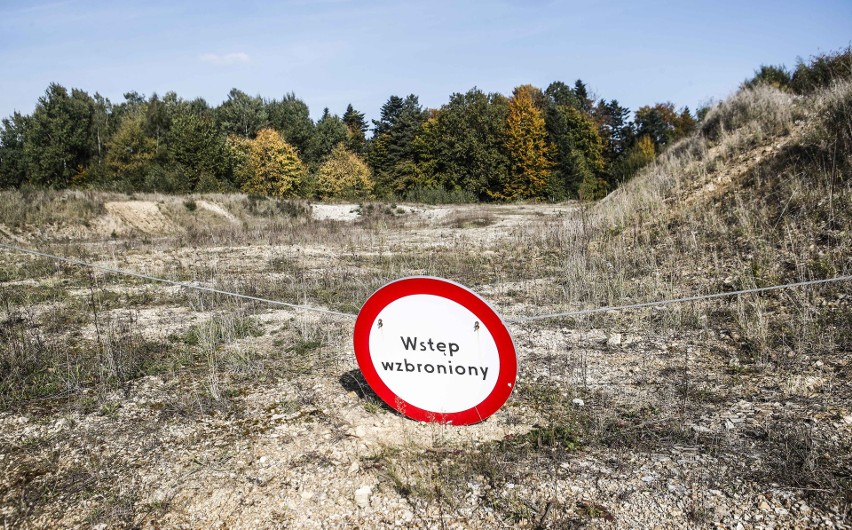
129	404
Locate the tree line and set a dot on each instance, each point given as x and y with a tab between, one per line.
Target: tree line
552	144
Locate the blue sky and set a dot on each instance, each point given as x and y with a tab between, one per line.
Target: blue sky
334	52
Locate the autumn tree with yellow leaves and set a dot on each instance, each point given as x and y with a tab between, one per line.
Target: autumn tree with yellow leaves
130	151
344	176
527	147
267	164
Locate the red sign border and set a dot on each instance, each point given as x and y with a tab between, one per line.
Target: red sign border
461	295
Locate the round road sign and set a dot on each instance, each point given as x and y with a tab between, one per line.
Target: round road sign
435	351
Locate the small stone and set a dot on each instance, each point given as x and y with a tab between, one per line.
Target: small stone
649	478
362	496
360	431
847	419
763	506
578	402
614	340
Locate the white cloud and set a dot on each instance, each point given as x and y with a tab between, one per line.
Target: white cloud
225	59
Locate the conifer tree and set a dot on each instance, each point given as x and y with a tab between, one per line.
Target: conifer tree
392	154
356	126
329	131
59	142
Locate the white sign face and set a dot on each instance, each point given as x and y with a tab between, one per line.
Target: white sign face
434	353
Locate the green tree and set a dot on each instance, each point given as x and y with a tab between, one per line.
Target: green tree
615	129
356	126
658	123
158	119
777	76
103	125
584	99
462	146
527	146
195	148
329	132
292	118
13	166
58	145
579	149
684	124
344	175
640	154
821	71
392	154
559	93
242	114
237	150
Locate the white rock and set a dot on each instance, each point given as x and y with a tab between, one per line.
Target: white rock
614	340
578	402
631	339
362	496
596	335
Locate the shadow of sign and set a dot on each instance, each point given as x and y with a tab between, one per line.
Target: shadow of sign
353	381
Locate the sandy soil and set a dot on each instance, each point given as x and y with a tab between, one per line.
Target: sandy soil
274	428
126	216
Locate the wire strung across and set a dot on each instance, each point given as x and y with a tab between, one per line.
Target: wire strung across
517	320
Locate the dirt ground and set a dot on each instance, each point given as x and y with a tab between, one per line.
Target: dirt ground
244	415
